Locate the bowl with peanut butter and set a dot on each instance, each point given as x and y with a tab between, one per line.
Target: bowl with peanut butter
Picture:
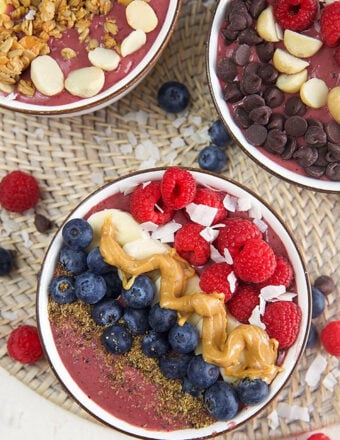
274	79
73	57
173	303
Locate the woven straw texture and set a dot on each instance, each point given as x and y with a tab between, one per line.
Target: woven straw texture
73	156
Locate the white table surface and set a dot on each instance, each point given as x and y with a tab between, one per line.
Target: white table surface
24	415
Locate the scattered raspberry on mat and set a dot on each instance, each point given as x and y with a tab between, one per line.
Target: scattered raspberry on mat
296	15
330	24
24	345
282	276
243	301
318	436
215	279
146	204
19	191
255	262
178	188
191	245
330	338
282	320
209	197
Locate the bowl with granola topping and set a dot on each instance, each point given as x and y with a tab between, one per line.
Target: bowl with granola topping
71	57
173	303
273	73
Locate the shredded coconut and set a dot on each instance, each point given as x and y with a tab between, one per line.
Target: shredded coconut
232	281
131	138
126	149
315	371
178	122
260	224
215	255
209	234
255	211
201	214
230	203
244	203
293	412
255	318
273	420
227	256
166	233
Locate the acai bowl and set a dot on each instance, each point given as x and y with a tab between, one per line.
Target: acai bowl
70	58
173	356
275	88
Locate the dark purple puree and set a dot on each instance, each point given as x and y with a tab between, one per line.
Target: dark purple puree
301	139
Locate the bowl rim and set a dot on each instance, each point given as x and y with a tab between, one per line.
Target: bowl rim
222	109
295	352
120	89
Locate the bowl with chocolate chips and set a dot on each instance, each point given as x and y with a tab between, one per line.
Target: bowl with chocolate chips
79	56
141	304
274	82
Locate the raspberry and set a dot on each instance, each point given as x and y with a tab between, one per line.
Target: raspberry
209	197
243	301
296	15
256	261
318	436
215	279
330	24
19	191
282	320
282	276
235	233
146	204
178	188
191	245
330	338
24	345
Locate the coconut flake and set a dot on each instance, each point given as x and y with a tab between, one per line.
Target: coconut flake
261	225
244	203
149	163
255	211
201	214
215	255
9	315
149	226
269	293
197	120
273	419
330	381
177	142
232	281
131	138
293	412
171	157
8	225
227	256
30	14
178	122
12	96
255	318
230	203
209	234
125	149
98	140
166	233
39	133
315	370
26	239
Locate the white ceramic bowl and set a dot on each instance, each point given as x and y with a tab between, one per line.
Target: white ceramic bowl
268	163
113	92
292	356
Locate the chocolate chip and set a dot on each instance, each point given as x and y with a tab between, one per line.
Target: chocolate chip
273	96
276	120
241	55
290	147
315	171
268	73
42	223
334	149
315	136
252	101
232	92
265	51
251	68
276	141
249	36
256	7
256	134
306	156
333	171
260	115
250	84
322	157
229	35
295	126
235	7
226	69
325	283
294	106
312	121
239	20
333	131
241	117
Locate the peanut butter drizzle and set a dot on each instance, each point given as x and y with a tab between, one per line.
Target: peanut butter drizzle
246	351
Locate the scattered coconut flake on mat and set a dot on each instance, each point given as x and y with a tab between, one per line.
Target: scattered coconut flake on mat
149	163
26	239
97	139
315	371
8	225
178	122
10	315
273	419
331	380
131	138
201	214
166	233
177	142
293	412
39	133
230	203
126	148
171	157
141	117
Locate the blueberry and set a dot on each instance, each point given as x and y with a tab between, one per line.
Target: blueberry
6	262
113	283
62	290
141	293
221	401
96	263
106	311
212	158
174	365
155	344
160	319
183	338
318	302
218	134
77	233
173	97
90	287
312	336
137	320
252	392
73	261
189	388
202	374
117	339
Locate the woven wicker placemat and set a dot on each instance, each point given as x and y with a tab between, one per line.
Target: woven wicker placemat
73	156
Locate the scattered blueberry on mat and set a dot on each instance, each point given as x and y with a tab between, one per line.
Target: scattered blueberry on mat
212	158
173	97
318	302
6	262
218	134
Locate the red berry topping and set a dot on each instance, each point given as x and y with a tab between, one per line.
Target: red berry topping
146	204
256	261
191	245
214	199
178	188
235	233
19	191
24	345
215	279
330	24
330	338
318	436
296	15
243	301
282	320
282	276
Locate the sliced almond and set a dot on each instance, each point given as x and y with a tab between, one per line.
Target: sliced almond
140	15
301	45
106	59
46	75
291	83
134	41
267	27
333	103
85	82
284	62
314	93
